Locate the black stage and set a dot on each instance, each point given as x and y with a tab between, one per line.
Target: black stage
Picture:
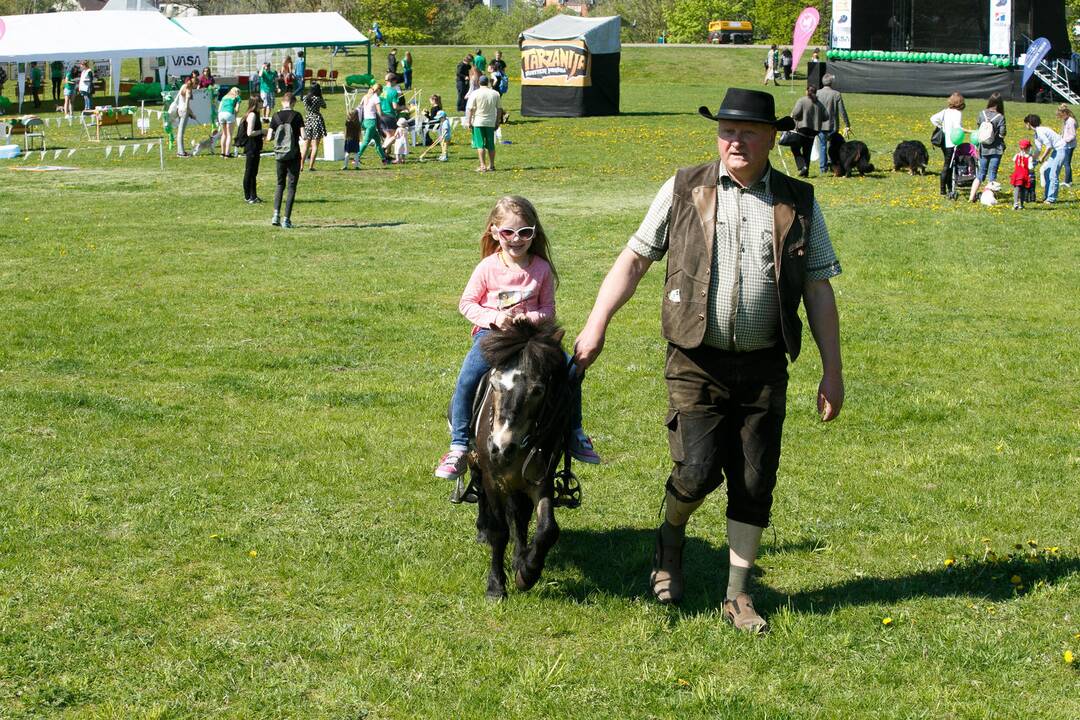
928	79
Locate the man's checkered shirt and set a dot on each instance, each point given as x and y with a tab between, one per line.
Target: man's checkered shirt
744	308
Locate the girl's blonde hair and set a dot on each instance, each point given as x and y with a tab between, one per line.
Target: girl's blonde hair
234	93
1063	111
956	101
375	89
517	205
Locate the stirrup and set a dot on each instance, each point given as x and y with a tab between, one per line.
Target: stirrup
465	494
567	489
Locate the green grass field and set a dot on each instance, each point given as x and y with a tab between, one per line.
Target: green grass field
217	442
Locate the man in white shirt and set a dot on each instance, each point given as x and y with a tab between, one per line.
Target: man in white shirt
483	113
1051	149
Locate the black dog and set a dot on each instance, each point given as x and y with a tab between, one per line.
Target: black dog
911	154
844	157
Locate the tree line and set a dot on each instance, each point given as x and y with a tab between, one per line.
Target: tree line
469	22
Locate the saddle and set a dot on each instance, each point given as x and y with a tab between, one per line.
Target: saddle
567	488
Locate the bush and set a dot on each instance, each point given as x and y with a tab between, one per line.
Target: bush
489	26
688	20
404	36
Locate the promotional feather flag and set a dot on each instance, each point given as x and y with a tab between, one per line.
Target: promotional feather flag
1035	54
804	30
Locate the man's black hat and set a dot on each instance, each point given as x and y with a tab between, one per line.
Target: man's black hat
749	106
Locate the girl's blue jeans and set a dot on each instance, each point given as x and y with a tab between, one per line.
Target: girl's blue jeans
988	166
472	372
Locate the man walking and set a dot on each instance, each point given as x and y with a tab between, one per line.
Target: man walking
287	129
834	113
745	245
482	114
462	77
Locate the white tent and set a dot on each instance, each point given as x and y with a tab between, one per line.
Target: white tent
74	36
272	30
600	34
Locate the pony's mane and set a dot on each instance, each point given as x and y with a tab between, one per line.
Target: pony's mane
540	342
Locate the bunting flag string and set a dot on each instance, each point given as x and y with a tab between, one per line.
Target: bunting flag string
110	150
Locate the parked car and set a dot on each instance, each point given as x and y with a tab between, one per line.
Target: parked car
731	32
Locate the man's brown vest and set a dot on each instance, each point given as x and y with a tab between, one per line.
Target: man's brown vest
691	237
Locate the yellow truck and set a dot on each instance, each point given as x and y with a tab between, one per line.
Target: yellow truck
731	31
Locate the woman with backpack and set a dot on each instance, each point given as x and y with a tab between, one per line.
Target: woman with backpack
991	135
250	137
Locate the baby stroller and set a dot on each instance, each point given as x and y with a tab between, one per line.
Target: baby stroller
965	163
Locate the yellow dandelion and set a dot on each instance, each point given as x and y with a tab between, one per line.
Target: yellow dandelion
950	561
214	536
1068	657
886	621
986	540
1015	580
253	553
684	683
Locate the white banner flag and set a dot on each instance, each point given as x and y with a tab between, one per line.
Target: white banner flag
108	152
149	147
841	24
56	154
71	152
135	149
121	153
1000	26
42	154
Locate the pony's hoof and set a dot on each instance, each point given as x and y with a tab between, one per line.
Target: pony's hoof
524	583
495	596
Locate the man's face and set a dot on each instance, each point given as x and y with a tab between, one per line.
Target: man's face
745	146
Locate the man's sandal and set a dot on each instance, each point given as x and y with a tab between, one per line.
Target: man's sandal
666	579
739	612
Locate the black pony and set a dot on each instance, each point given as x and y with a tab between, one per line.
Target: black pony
521	420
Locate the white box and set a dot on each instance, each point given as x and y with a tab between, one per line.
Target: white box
334	147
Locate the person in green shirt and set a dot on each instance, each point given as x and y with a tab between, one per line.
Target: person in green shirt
406	69
70	80
35	83
226	118
56	69
479	61
388	105
267	83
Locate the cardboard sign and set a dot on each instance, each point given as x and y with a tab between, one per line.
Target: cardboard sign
560	63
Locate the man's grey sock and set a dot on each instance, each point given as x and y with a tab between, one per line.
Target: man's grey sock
737	579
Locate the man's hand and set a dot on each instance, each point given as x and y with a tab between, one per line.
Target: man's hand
830	396
587	347
618	286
